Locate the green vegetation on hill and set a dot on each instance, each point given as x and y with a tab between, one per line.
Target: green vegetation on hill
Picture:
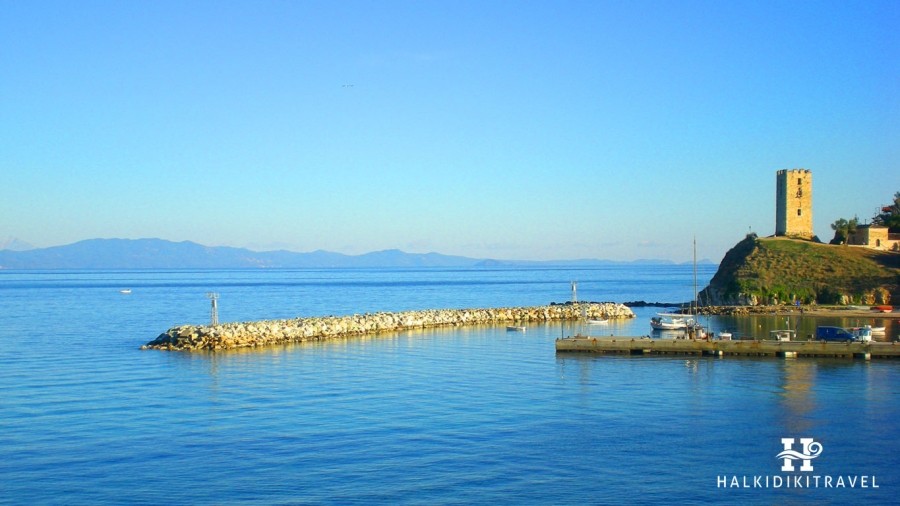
781	270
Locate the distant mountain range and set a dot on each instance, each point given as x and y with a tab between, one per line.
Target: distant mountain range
14	244
162	254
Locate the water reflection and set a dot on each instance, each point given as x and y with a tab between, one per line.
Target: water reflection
797	401
760	326
577	365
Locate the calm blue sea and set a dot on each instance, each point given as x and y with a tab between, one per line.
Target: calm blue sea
470	415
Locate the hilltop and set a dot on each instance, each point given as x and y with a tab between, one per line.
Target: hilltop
780	270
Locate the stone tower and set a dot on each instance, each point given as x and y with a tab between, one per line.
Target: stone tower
793	203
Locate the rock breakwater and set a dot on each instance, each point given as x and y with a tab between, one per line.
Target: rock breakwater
269	332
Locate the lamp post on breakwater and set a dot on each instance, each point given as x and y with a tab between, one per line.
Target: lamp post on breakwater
214	310
578	306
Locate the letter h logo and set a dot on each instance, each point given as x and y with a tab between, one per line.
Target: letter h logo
811	450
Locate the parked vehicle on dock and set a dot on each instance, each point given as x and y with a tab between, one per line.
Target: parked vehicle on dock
863	333
838	334
697	331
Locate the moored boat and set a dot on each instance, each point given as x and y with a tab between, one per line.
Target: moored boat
515	328
671	321
782	335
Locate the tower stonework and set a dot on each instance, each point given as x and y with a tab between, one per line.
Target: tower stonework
793	203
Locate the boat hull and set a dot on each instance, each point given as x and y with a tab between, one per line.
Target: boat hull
667	326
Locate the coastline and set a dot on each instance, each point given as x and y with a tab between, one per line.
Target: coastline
271	332
805	311
773	310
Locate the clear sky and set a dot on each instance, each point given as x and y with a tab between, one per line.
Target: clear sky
490	129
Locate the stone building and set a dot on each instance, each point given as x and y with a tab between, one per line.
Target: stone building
793	204
875	237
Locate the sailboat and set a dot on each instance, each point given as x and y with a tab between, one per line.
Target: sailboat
694	329
680	321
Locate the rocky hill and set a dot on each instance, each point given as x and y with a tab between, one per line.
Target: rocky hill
780	270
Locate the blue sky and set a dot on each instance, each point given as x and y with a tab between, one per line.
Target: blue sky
491	129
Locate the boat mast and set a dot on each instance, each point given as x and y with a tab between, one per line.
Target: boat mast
696	295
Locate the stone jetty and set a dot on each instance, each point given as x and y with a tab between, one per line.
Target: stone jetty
269	332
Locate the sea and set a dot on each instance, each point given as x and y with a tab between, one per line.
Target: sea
464	415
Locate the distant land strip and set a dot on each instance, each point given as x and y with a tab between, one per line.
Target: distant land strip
162	254
271	332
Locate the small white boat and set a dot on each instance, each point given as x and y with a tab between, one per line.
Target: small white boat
515	328
725	335
671	321
126	291
783	335
598	322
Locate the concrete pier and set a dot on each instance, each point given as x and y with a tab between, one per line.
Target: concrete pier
784	349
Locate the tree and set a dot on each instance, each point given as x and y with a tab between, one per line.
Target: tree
842	230
890	216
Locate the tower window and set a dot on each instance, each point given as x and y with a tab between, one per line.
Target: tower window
799	212
799	181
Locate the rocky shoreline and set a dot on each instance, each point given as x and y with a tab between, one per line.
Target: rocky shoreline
270	332
785	310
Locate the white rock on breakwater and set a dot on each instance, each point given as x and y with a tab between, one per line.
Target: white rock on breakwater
261	333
